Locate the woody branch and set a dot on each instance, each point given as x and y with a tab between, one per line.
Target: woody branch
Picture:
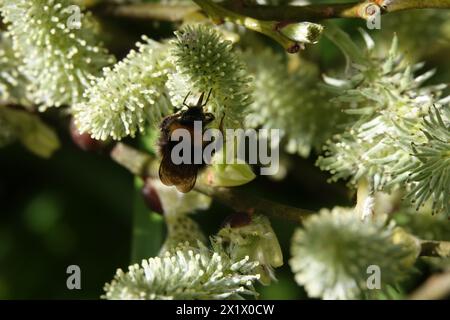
313	12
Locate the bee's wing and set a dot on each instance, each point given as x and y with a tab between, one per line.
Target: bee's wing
188	183
182	176
164	173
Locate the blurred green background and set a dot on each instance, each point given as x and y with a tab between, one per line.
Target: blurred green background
72	209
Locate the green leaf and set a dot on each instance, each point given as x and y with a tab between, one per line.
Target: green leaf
35	135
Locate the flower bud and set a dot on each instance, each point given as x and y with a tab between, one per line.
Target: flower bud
303	32
84	140
237	219
151	197
223	174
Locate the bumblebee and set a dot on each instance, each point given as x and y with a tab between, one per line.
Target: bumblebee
183	175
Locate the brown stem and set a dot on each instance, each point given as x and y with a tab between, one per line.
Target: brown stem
239	199
435	248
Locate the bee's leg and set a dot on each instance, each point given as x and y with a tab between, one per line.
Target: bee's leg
208	118
185	98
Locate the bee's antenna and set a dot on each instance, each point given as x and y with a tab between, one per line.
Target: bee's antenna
177	109
207	99
184	101
200	100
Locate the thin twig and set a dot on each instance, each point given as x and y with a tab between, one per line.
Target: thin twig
239	199
435	287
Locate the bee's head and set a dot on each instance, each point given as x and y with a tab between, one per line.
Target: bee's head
193	113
